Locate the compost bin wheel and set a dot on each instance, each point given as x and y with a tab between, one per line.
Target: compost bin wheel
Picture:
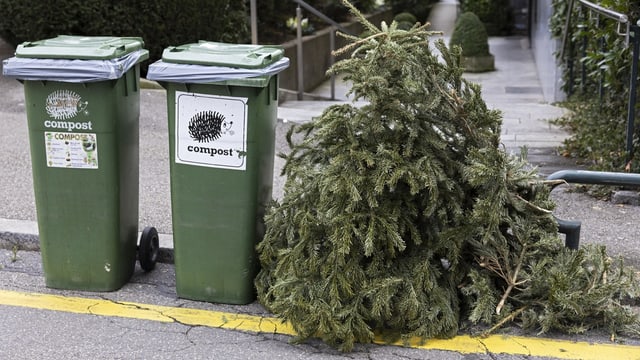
148	249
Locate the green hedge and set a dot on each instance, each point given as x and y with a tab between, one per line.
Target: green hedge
159	22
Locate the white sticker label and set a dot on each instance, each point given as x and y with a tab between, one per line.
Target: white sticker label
71	150
65	104
211	130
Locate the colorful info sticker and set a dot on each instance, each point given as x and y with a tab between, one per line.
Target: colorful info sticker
211	130
71	150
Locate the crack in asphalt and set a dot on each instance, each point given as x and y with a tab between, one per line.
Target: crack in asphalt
487	351
139	307
185	333
238	326
403	356
222	325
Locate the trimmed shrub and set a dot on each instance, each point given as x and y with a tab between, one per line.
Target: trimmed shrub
471	35
405	20
405	17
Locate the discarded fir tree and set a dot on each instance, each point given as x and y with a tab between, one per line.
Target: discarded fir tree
405	217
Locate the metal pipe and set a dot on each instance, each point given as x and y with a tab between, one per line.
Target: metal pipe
596	177
621	18
254	22
299	54
570	66
322	16
583	66
332	45
571	229
567	25
634	33
583	49
603	48
299	48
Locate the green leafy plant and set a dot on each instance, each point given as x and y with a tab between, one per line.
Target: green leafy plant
306	27
597	120
404	217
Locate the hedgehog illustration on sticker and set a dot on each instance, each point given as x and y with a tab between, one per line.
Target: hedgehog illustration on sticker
207	126
65	104
211	130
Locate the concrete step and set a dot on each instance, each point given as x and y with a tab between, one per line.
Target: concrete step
306	110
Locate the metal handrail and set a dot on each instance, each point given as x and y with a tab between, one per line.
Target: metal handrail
322	16
572	228
621	18
332	44
300	62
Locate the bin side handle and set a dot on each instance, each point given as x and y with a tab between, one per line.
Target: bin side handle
269	92
136	78
275	89
126	85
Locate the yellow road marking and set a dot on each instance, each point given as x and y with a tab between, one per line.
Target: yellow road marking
495	344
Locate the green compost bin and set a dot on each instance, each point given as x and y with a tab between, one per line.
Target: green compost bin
222	111
82	102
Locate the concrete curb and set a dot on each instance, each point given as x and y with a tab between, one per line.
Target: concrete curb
21	235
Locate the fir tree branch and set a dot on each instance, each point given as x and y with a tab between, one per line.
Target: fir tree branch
533	206
512	281
494	266
366	23
376	196
500	323
356	44
554	183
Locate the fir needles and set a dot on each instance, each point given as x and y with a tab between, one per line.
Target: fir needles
405	217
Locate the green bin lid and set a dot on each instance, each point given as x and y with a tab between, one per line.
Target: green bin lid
80	47
221	54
